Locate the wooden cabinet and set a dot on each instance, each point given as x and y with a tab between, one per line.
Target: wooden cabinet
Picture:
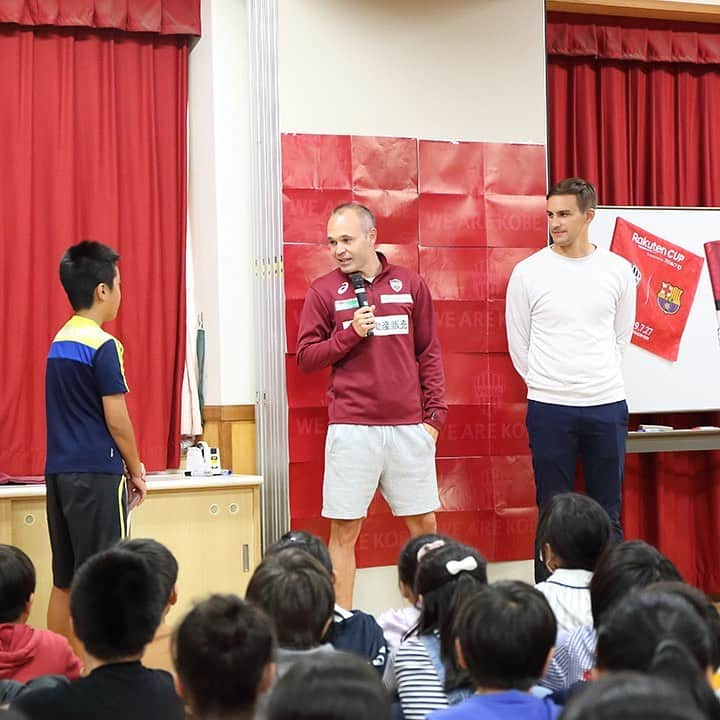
212	526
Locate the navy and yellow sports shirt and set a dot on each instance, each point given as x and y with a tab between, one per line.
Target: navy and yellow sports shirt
84	364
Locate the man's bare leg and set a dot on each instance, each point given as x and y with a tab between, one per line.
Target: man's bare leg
421	524
58	617
343	536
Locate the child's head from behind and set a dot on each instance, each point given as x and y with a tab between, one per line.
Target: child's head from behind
223	651
631	696
296	591
304	541
17	584
338	686
624	567
161	561
89	275
116	605
573	531
408	562
505	633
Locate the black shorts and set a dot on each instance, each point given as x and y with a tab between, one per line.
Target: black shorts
86	513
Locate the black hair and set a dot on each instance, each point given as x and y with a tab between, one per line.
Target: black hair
296	591
622	567
702	605
162	562
116	604
221	650
83	267
336	686
577	528
661	634
17	582
408	558
631	696
506	632
446	575
583	191
305	541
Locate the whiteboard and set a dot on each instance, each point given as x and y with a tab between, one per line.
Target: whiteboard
692	382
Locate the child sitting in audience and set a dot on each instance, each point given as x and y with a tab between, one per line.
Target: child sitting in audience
164	566
664	635
224	658
631	696
329	687
573	531
505	635
397	622
296	592
352	630
27	652
423	670
622	568
116	607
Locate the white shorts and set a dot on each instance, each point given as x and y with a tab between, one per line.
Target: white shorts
398	458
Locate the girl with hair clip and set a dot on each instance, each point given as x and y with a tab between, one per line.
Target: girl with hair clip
424	671
663	635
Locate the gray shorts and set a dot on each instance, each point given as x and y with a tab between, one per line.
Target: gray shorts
398	458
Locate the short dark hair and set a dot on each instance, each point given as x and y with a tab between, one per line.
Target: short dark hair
623	567
83	267
363	212
702	604
631	696
336	686
304	541
583	191
162	562
506	632
17	582
296	591
408	558
661	634
116	604
577	528
220	651
444	584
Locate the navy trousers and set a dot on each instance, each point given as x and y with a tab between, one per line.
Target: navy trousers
559	434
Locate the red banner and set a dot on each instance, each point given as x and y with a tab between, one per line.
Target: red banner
668	278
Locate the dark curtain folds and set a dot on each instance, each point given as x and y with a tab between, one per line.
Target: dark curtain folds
93	142
634	107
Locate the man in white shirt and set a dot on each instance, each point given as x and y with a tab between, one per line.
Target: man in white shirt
569	315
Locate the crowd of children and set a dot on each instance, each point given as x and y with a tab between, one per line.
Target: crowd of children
613	633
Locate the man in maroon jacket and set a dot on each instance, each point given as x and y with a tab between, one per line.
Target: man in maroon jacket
386	400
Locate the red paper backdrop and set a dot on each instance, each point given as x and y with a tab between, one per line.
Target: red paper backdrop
462	214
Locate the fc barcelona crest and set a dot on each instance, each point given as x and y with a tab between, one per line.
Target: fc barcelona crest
668	298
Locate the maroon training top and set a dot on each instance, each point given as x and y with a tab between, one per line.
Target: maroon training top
393	378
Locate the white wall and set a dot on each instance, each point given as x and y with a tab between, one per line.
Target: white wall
464	70
219	206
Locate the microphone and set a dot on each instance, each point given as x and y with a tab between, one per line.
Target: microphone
359	287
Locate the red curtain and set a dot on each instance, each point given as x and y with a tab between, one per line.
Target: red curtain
93	145
633	106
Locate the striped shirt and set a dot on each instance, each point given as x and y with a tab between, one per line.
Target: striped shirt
568	593
573	658
412	674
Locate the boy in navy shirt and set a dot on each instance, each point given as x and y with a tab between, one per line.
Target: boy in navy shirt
505	637
91	449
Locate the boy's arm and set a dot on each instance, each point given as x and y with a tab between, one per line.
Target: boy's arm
121	429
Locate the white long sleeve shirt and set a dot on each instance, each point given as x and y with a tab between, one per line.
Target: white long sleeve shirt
568	322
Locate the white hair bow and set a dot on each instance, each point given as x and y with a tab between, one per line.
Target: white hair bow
468	563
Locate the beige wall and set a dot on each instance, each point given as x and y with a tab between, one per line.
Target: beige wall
419	68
